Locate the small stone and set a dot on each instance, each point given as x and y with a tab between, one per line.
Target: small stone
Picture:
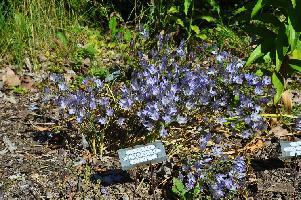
126	197
10	99
10	145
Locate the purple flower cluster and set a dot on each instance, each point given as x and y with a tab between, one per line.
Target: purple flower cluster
88	103
172	87
215	173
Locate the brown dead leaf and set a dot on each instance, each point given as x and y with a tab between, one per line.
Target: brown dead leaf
27	82
253	146
287	100
40	128
273	122
279	132
10	78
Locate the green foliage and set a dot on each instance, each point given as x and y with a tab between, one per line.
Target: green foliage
179	189
186	15
19	90
279	34
99	72
113	26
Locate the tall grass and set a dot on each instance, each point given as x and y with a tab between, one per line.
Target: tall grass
29	25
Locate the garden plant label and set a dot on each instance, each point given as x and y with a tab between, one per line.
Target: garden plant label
142	154
290	149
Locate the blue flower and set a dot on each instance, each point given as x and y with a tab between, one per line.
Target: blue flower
63	86
190	181
204	141
167	119
120	121
109	112
92	104
71	111
163	132
266	81
102	120
63	104
79	119
181	119
246	134
98	83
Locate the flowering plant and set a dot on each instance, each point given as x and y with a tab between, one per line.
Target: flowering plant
174	87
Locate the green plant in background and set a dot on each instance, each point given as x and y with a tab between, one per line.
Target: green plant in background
122	33
278	24
191	13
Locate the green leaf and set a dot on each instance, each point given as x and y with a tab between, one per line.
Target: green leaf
281	48
295	64
267	57
173	10
259	72
277	81
215	6
195	28
294	13
240	10
257	53
208	18
180	22
294	3
258	6
179	188
113	25
292	35
187	4
296	54
62	37
202	36
127	35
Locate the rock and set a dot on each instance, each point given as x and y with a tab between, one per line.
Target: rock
125	197
10	145
10	78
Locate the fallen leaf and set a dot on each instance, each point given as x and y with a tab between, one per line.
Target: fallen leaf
286	98
279	132
10	78
253	146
